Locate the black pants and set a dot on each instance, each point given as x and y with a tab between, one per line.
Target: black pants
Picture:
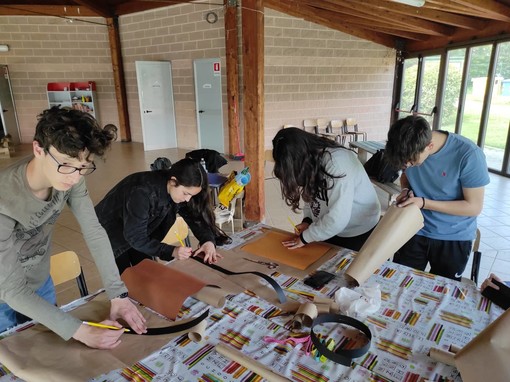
130	258
355	242
447	258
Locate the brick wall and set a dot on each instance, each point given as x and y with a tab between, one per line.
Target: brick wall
316	72
50	49
310	71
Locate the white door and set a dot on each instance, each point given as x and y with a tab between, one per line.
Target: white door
208	97
155	92
8	117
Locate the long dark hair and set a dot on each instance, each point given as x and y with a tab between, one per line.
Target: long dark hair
189	173
299	166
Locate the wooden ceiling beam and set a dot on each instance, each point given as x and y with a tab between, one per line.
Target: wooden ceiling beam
494	28
348	14
491	8
452	7
370	24
433	15
420	25
400	33
46	10
298	10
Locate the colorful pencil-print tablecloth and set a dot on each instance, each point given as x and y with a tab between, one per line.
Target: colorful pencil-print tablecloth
418	311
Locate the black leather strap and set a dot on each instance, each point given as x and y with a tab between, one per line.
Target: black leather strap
174	328
278	289
341	356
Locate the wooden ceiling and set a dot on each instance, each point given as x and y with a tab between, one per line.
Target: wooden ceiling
436	24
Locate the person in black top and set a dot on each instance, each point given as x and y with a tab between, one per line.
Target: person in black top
138	212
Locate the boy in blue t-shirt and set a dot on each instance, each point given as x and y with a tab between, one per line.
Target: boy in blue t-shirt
445	176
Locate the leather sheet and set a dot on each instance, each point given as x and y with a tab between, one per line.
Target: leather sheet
38	354
159	287
270	246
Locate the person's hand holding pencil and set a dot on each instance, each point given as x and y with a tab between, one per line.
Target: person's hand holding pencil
182	252
296	241
100	335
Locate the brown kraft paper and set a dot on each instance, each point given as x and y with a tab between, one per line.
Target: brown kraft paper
270	246
37	354
397	226
487	356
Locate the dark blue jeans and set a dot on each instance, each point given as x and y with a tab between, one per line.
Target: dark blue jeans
8	317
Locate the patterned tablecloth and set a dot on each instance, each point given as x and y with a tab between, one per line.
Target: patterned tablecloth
418	311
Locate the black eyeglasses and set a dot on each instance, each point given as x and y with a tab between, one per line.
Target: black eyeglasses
66	169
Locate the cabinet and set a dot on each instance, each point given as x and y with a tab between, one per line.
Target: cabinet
78	95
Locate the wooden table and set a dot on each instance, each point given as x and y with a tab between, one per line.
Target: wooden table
418	311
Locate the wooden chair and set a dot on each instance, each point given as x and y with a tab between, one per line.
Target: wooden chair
477	257
322	125
65	266
351	127
310	125
177	232
336	131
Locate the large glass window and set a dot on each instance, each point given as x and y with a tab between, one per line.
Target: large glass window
499	110
475	91
451	94
409	77
465	107
428	89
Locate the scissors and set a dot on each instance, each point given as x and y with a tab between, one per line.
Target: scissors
270	265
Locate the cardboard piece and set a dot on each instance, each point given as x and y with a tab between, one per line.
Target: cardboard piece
397	226
38	354
159	287
485	357
270	246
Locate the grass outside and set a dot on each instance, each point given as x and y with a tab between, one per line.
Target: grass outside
498	124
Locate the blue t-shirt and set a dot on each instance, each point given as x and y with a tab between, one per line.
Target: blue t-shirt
458	164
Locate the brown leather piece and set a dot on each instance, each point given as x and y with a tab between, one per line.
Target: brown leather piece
159	287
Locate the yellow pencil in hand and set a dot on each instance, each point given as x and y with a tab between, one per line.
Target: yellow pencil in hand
292	223
179	238
103	326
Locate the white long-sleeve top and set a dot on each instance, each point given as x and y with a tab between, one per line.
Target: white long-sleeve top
350	208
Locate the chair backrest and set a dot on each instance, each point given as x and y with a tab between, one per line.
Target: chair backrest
310	125
350	125
337	124
65	266
322	123
177	232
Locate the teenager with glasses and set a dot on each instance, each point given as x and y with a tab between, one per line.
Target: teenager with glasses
138	212
34	193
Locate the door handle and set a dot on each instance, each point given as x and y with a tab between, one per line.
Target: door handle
201	111
147	111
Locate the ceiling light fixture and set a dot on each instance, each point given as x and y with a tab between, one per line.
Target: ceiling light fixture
4	48
412	3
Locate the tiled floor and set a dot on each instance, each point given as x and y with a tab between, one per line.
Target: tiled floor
126	158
